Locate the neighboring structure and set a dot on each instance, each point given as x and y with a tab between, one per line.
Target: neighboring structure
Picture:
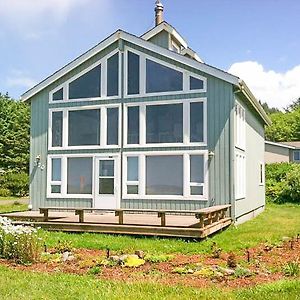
282	152
142	122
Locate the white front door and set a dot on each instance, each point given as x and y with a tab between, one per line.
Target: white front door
107	182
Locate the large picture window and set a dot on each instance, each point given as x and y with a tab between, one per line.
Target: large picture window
86	86
79	174
164	123
84	127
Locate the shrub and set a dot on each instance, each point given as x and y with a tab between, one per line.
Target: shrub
20	243
16	183
283	182
292	268
4	192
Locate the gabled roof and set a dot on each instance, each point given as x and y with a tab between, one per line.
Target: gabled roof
122	35
282	144
295	144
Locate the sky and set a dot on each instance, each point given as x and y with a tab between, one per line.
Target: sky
257	40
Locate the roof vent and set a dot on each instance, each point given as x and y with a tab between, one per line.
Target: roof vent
159	12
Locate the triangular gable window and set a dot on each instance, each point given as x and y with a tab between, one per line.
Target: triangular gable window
58	95
196	84
160	78
86	86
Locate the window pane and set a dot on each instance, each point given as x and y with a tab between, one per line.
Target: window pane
132	168
113	126
57	128
106	168
197	168
113	75
80	175
160	78
86	86
55	189
58	95
106	186
196	84
56	169
133	129
196	122
132	189
164	123
133	75
84	127
196	190
164	175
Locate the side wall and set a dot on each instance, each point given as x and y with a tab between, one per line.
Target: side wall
276	154
255	149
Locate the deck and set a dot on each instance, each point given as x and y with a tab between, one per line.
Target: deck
169	223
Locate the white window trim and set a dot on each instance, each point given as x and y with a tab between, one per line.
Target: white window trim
240	126
186	176
186	123
103	83
142	93
294	152
240	175
103	126
50	182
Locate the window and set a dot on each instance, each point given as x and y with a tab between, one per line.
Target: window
133	74
160	78
113	126
240	175
84	127
196	122
196	84
132	175
164	123
196	174
133	125
175	47
113	75
296	154
106	177
79	175
164	175
55	181
58	95
86	86
261	174
240	127
57	128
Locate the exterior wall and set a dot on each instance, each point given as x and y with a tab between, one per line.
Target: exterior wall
161	39
276	154
255	149
220	104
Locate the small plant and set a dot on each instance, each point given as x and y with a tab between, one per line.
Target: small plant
95	270
133	262
158	258
215	250
231	260
242	272
63	246
183	270
292	269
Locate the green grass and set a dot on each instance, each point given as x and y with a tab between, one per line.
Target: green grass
276	222
12	198
28	285
13	207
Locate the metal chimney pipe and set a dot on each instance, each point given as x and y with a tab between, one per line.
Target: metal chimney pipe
159	13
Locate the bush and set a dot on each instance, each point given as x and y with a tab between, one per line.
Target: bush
16	183
4	192
283	182
20	243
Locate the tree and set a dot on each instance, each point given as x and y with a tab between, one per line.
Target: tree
14	134
294	106
269	110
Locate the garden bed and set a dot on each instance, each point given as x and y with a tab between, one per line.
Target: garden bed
262	264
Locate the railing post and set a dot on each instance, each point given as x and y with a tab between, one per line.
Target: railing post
45	212
80	213
120	214
162	216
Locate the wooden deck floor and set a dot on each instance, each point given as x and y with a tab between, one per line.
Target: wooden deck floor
134	224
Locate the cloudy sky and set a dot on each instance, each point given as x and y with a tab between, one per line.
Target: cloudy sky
258	40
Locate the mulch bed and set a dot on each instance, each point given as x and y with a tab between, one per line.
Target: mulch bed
266	265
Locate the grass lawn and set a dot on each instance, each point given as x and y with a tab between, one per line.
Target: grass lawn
12	198
28	285
13	207
276	222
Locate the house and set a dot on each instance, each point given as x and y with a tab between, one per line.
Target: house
143	122
282	152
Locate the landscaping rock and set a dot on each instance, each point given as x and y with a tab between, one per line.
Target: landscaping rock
71	258
225	271
115	258
140	254
123	257
65	256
